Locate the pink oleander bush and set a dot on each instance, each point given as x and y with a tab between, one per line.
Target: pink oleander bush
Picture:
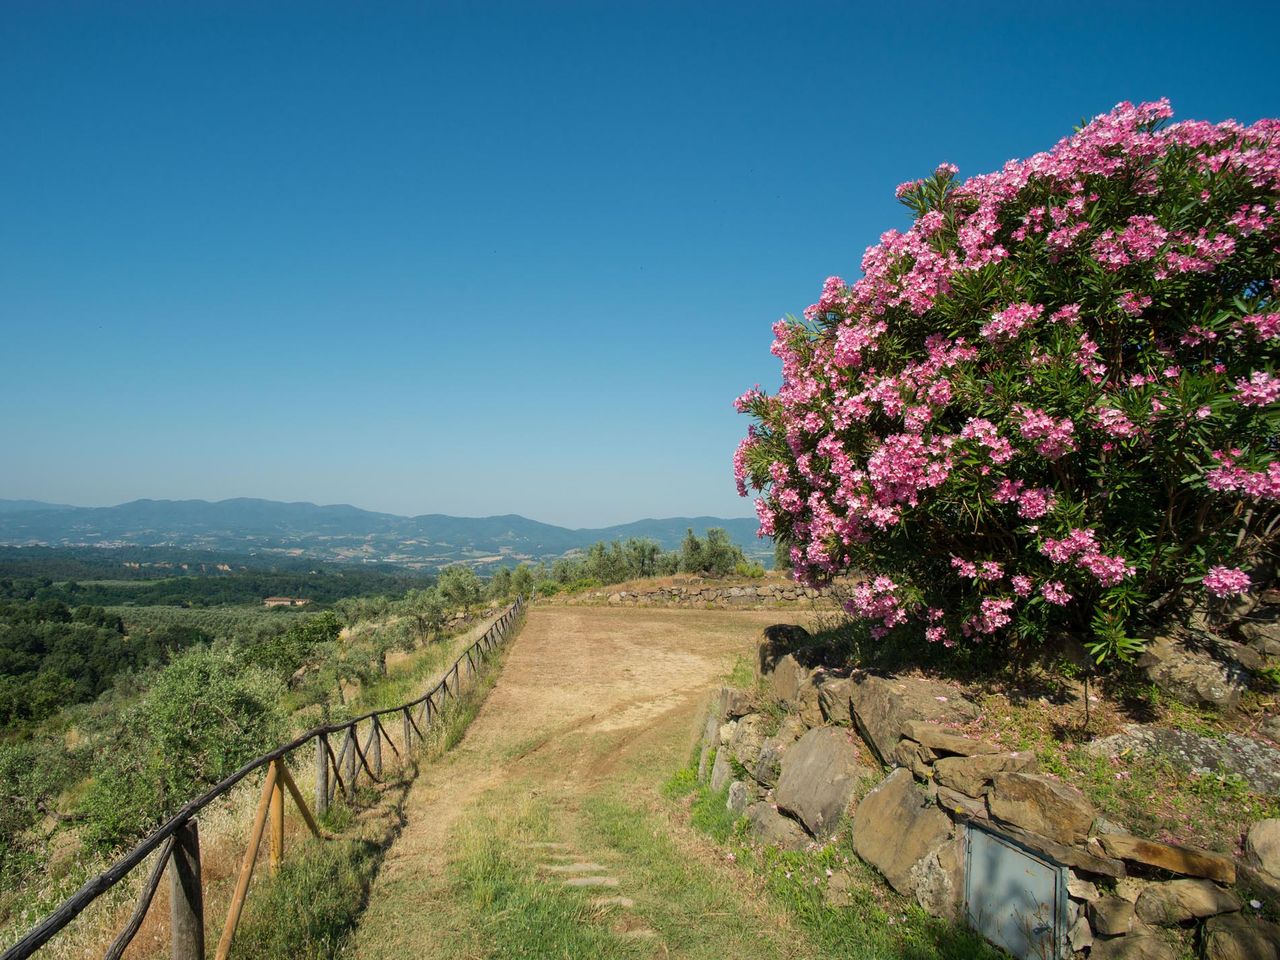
1050	404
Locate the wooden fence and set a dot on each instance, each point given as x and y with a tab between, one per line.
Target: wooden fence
178	840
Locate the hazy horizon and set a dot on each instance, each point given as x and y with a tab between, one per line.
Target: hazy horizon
420	513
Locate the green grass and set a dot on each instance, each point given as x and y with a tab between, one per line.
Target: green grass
506	911
743	674
307	909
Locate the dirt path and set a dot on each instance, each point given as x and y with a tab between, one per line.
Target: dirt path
595	707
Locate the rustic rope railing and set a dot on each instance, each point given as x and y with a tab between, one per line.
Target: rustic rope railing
178	842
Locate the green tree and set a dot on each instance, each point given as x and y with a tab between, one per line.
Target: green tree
460	587
522	581
500	584
426	609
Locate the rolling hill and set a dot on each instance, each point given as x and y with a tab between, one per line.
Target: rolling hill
338	532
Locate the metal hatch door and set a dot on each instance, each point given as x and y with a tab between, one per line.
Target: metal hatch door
1015	898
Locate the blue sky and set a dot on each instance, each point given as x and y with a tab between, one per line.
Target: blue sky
489	258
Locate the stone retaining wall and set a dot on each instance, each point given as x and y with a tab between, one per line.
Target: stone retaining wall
748	595
795	782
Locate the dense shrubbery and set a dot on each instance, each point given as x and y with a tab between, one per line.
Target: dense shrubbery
1050	403
52	656
205	716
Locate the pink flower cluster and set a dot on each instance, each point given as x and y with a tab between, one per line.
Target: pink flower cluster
1260	390
1265	326
1081	547
1011	321
1231	478
877	600
1226	581
1053	436
915	391
992	615
1033	503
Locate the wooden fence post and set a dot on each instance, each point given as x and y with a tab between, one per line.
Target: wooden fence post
322	774
246	866
186	899
277	818
375	746
350	761
406	723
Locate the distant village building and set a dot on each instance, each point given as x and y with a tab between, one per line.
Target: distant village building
285	602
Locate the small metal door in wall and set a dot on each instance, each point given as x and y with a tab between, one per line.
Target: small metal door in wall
1015	898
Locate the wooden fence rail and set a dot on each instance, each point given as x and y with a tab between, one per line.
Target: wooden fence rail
178	839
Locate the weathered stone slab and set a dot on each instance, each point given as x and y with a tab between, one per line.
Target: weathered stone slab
787	676
819	775
770	827
1234	936
971	775
1140	945
1188	861
961	806
721	771
1080	889
833	699
769	764
938	880
1042	806
704	763
1197	671
748	739
733	703
882	705
1262	849
896	826
711	732
1080	936
1256	763
839	890
741	796
915	757
1111	916
1177	901
941	740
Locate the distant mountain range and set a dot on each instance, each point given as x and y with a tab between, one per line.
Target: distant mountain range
336	533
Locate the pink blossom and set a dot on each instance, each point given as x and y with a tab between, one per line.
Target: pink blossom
1133	303
1226	581
1264	326
1115	423
1054	436
1034	504
1259	390
1011	321
1054	592
993	613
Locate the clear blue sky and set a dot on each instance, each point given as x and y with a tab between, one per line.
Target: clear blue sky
429	259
